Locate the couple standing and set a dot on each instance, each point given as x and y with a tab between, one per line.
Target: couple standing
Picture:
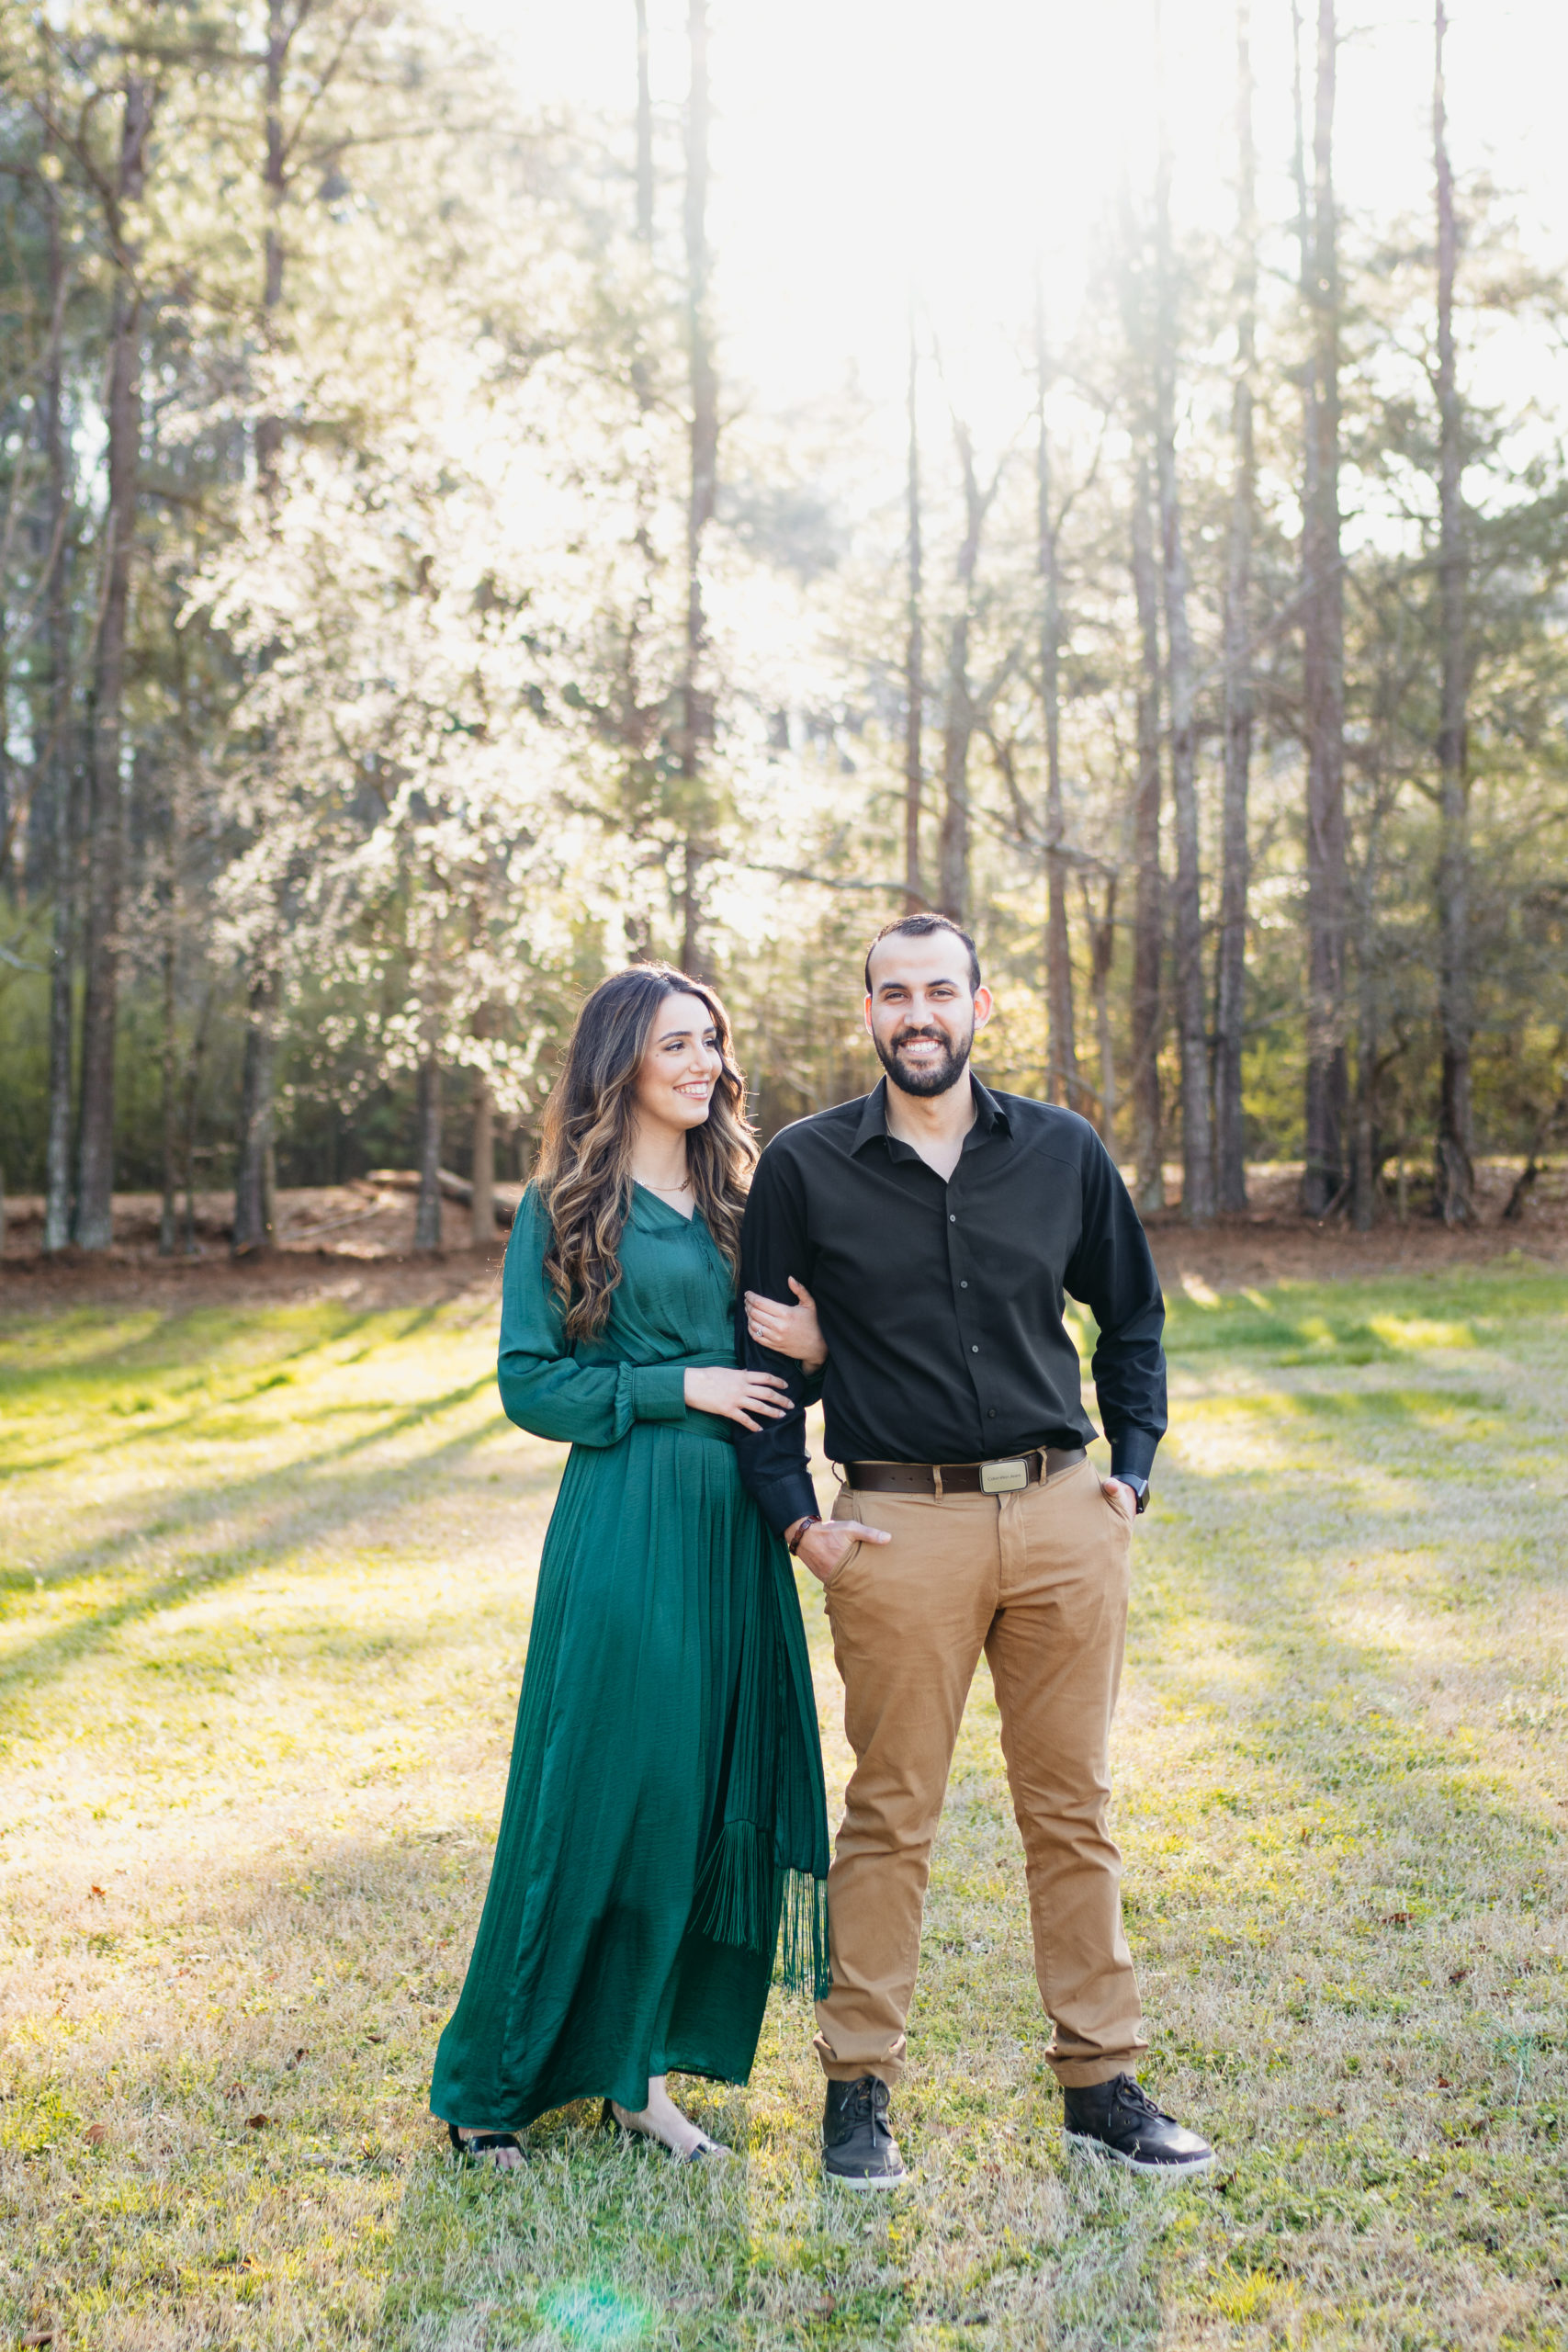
665	1818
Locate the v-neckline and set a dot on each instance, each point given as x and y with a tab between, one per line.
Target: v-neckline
653	1196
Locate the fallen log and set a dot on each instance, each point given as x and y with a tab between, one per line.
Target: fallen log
453	1188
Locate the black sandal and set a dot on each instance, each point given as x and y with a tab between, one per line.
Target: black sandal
480	2145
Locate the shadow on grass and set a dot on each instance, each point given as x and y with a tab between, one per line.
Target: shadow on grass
150	1351
245	1383
333	1498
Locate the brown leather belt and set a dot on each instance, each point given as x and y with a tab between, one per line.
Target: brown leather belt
1005	1477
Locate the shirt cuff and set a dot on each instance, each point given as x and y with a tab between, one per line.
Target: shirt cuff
1133	1450
784	1500
658	1392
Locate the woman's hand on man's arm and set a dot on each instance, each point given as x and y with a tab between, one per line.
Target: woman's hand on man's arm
736	1396
787	1330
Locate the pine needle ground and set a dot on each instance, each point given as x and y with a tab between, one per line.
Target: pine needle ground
266	1580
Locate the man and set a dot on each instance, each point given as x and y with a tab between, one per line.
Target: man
937	1226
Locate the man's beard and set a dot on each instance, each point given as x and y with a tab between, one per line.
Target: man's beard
929	1078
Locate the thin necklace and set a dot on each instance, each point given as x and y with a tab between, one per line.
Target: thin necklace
684	1186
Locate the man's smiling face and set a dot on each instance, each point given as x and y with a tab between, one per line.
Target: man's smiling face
922	1012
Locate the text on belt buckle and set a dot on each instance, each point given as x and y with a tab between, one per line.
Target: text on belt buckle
1004	1478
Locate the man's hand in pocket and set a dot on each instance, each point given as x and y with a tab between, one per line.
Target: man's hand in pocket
823	1548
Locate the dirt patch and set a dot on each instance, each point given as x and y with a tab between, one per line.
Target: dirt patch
349	1240
357	1241
1275	1243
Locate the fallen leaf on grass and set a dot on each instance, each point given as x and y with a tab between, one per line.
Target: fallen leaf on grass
257	2122
99	1892
1458	1976
1444	2084
96	2134
38	2336
295	2060
375	2036
1396	1919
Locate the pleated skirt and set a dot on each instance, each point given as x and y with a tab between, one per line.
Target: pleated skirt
664	1807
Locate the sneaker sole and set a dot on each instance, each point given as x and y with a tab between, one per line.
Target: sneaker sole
1186	2170
861	2182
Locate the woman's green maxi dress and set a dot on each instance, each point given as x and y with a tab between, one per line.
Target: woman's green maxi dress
665	1802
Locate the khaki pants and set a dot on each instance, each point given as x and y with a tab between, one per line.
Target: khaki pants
1038	1580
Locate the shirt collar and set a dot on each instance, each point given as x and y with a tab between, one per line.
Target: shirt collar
988	1115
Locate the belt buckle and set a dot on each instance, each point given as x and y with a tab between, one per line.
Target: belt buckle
1009	1477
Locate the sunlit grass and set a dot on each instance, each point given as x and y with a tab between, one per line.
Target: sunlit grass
264	1585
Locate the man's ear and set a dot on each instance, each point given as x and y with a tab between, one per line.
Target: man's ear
983	1003
866	1012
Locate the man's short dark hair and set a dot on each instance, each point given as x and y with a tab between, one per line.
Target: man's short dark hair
922	927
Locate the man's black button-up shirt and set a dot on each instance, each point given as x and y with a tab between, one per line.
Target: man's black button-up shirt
941	1304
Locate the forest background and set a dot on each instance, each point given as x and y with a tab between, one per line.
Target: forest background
410	607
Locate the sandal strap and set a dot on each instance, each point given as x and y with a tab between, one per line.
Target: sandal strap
481	2143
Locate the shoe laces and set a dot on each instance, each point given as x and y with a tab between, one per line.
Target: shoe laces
865	2105
1133	2094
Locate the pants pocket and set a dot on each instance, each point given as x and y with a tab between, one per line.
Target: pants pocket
850	1557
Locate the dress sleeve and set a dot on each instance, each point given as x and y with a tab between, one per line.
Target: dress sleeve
544	1388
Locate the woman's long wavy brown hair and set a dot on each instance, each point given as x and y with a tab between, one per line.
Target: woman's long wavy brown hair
585	1175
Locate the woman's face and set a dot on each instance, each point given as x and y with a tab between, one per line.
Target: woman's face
681	1068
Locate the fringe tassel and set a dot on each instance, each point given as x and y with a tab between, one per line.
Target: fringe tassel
743	1898
802	1943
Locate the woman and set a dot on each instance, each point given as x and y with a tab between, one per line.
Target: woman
665	1803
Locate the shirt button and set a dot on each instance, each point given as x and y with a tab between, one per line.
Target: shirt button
973	1351
991	1413
950	1218
962	1285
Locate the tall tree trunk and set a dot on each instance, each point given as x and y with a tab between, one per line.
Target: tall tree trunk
644	131
61	763
1324	661
95	1163
696	718
482	1206
914	654
274	184
192	1096
1197	1126
168	1223
1454	1173
1101	929
953	888
427	1215
252	1191
252	1221
1148	925
1230	1022
1062	1059
1363	1143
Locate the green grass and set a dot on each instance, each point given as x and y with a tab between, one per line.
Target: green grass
264	1584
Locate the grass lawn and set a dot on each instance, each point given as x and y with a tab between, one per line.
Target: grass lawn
267	1577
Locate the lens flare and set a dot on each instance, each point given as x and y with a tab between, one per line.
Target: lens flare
585	2311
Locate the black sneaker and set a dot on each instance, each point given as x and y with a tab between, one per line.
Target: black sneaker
858	2149
1119	2118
